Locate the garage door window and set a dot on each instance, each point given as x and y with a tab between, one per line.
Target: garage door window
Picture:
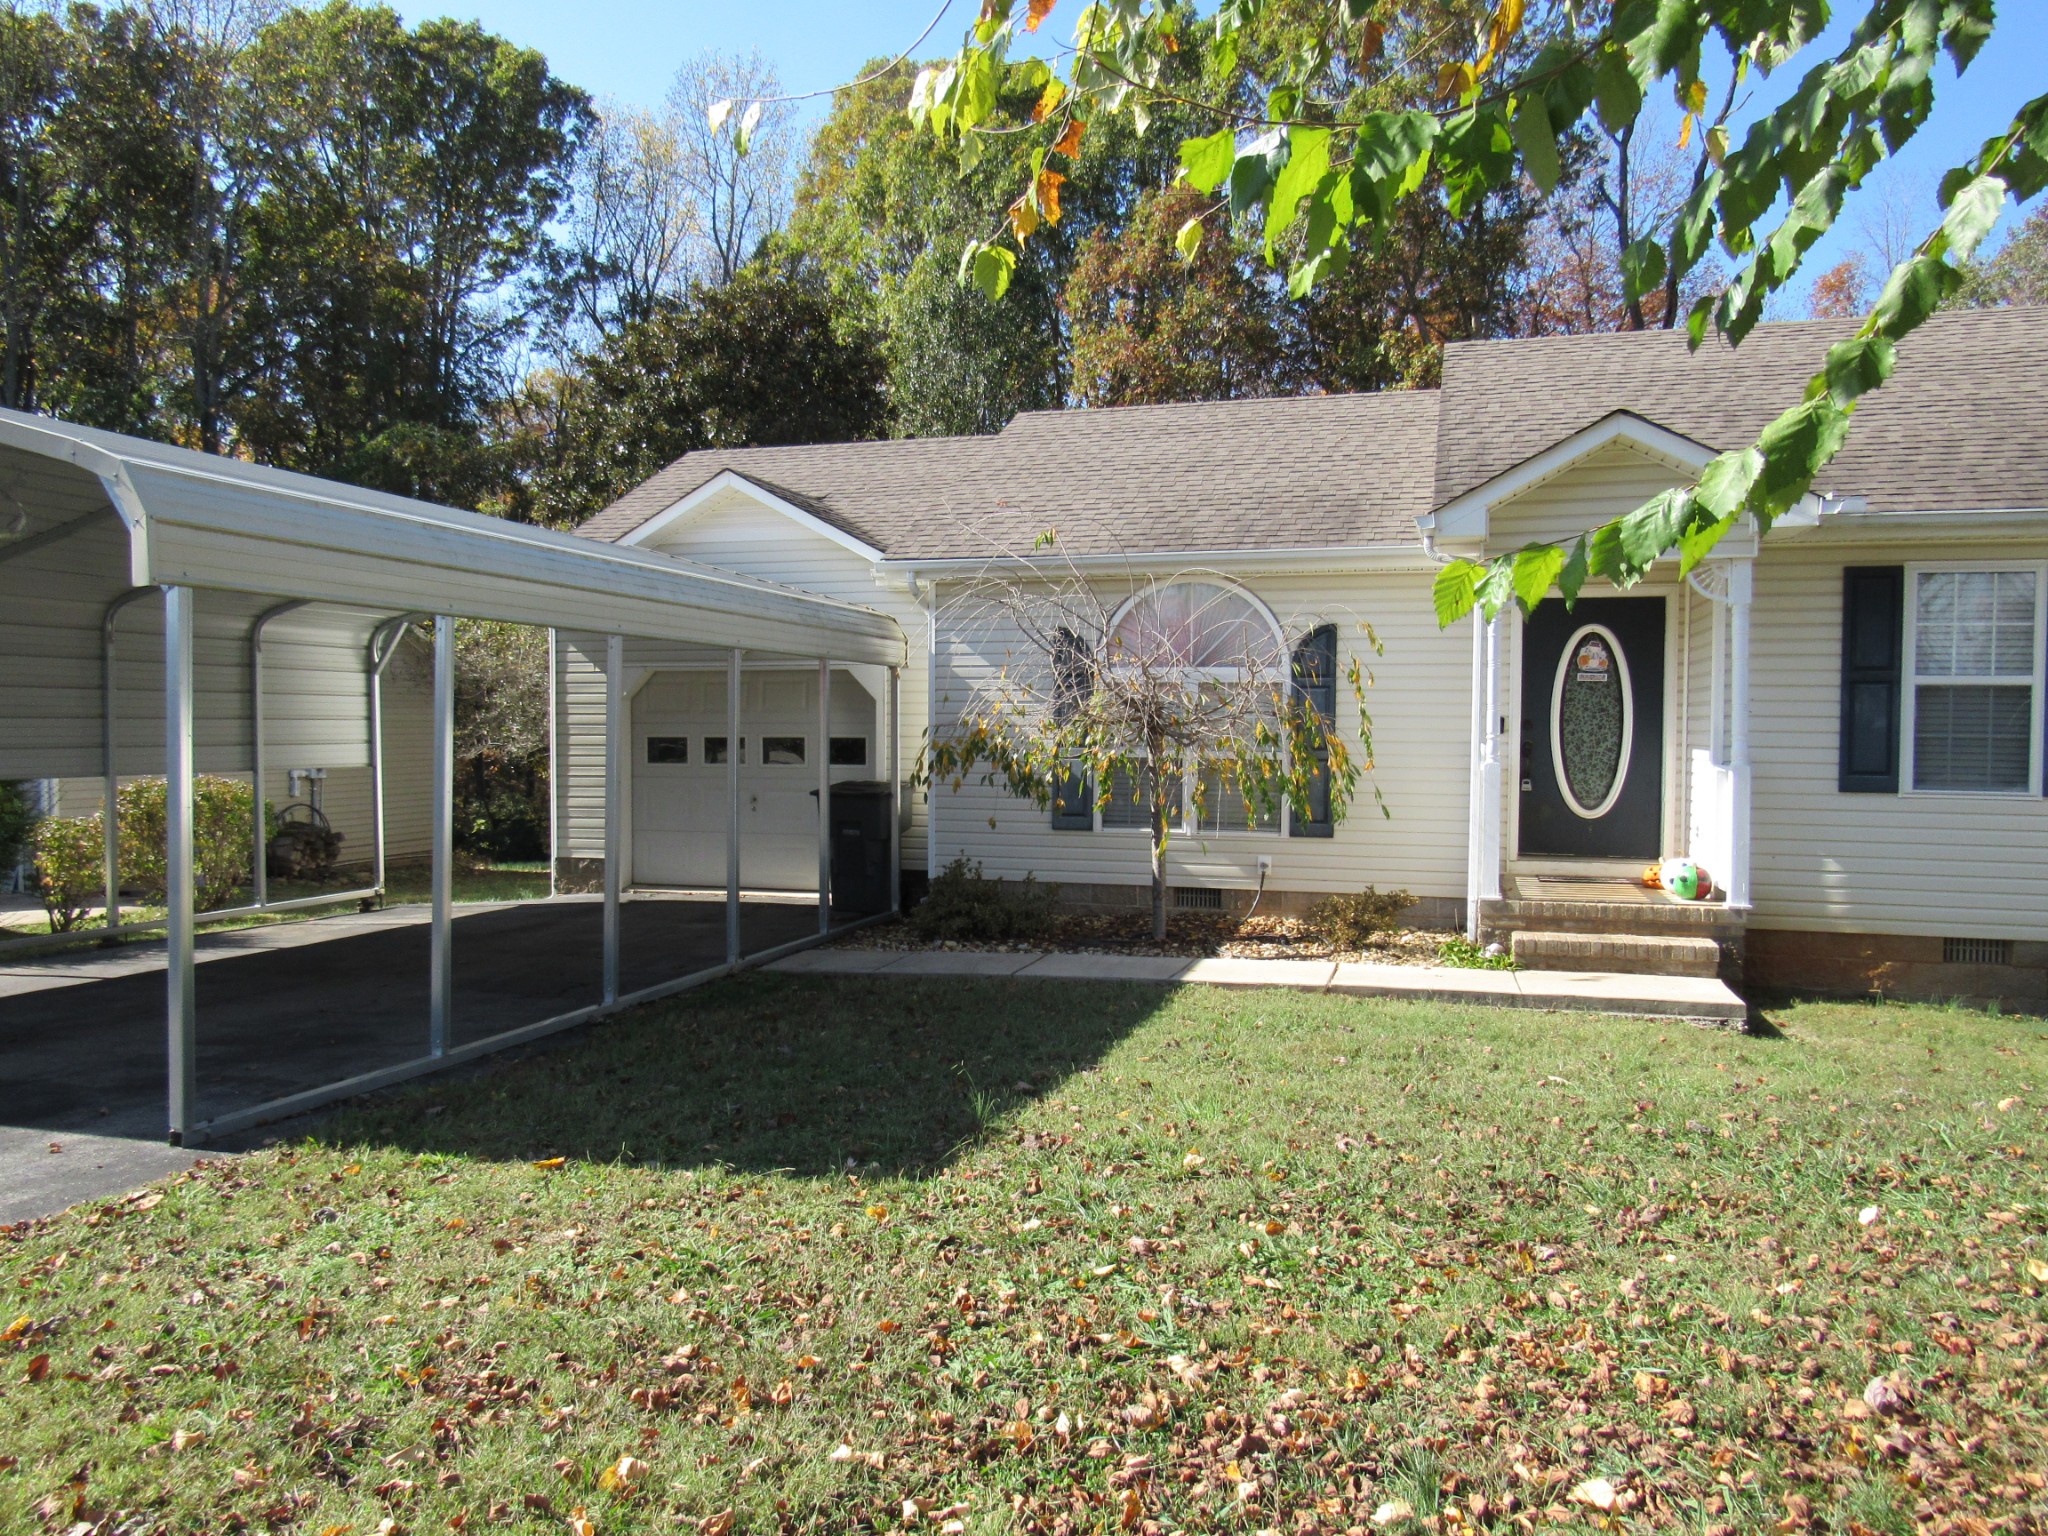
668	749
849	751
714	749
781	751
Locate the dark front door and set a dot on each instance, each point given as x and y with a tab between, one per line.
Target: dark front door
1592	779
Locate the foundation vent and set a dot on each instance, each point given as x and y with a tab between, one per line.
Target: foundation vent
1977	951
1191	898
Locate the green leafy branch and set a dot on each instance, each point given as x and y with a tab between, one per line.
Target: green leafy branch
1321	187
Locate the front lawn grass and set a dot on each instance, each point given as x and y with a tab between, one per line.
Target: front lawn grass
849	1255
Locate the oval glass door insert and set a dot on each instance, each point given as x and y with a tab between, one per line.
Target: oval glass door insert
1592	722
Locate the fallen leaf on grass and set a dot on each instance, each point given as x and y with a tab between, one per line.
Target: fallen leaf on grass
716	1525
16	1329
1869	1215
624	1473
2038	1269
1595	1491
1393	1510
39	1367
580	1524
551	1162
845	1452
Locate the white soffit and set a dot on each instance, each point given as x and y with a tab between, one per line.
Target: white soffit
732	481
1466	516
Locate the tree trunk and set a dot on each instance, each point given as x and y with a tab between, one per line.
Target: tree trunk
1158	786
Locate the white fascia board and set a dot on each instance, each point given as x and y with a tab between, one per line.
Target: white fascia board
1852	520
1466	516
1373	557
732	480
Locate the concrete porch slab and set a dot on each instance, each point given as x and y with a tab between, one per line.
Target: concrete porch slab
1677	997
1436	983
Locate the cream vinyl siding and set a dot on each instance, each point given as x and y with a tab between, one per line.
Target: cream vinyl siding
1941	865
408	767
1606	483
735	533
1419	700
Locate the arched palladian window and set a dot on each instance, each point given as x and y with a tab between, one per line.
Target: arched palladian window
1203	626
1202	629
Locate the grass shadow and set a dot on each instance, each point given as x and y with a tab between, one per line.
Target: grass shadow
771	1074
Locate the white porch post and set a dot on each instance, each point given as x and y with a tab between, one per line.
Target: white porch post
732	809
614	771
931	733
1741	588
824	795
181	1013
1490	767
441	969
1475	789
1483	823
895	789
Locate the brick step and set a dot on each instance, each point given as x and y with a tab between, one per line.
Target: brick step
1523	914
1634	954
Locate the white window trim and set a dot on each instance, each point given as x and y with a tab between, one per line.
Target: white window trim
1911	680
1189	823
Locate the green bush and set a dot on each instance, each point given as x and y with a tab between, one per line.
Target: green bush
1468	956
1354	921
964	904
70	868
220	838
17	822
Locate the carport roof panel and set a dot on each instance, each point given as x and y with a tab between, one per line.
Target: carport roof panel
198	520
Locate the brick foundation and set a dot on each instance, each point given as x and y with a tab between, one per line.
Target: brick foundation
1888	965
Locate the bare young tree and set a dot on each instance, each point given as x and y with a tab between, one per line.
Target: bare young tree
635	221
741	161
1170	702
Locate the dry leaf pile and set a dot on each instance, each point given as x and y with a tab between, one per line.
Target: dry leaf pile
961	1257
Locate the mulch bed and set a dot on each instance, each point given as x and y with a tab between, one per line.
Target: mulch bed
1189	936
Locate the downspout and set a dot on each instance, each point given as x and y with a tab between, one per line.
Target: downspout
259	868
110	812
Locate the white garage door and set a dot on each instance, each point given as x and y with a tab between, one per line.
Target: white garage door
679	774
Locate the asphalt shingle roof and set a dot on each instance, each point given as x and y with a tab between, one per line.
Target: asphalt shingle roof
1958	427
1316	472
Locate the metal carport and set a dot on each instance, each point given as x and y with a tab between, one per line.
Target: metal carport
91	521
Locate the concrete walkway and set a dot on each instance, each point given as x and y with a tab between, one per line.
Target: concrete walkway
1661	997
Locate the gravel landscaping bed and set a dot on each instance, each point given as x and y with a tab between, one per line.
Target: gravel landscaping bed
1189	936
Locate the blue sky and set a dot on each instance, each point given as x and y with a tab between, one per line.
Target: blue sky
627	50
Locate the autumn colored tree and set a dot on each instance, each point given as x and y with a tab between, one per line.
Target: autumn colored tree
1842	291
1149	325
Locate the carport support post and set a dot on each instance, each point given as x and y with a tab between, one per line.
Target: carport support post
614	767
895	789
181	1000
732	810
824	796
441	972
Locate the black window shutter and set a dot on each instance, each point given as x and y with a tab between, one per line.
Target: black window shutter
1873	640
1073	800
1315	687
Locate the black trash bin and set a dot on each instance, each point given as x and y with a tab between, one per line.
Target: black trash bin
860	847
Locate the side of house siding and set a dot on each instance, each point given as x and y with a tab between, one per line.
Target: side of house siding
733	533
1418	698
1938	865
